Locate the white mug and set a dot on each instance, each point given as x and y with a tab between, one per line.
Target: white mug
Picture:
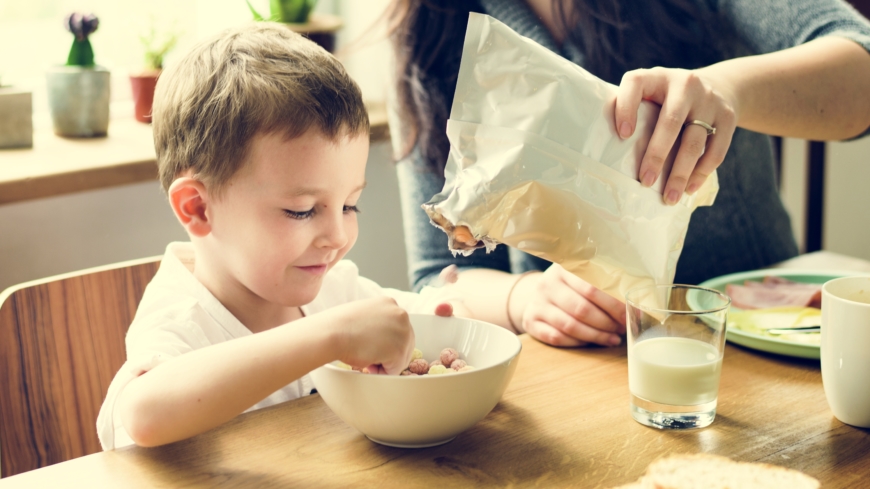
846	348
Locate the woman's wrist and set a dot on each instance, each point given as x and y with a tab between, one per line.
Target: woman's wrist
517	298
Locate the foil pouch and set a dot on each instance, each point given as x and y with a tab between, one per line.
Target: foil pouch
536	163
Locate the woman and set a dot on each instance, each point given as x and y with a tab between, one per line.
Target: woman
748	68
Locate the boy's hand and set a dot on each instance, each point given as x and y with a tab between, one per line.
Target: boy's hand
375	333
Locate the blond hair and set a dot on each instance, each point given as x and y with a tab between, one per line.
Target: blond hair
256	79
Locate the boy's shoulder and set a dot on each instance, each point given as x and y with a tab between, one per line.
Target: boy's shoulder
176	303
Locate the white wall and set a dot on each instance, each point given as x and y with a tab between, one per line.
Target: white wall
46	237
846	221
846	218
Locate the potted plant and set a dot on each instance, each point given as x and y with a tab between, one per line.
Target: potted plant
143	83
297	15
78	92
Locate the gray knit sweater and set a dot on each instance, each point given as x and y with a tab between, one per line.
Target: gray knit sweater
747	228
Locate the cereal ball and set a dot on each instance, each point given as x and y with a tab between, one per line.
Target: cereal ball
448	356
439	370
419	366
343	365
466	368
407	372
417	354
458	364
436	362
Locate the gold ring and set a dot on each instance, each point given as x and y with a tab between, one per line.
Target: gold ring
710	129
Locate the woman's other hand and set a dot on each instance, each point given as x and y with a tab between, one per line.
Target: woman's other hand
561	309
684	96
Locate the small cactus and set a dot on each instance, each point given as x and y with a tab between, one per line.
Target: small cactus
81	26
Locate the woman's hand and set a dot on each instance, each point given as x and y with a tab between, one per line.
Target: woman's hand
684	96
564	310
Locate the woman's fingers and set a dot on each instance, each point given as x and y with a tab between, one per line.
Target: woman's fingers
556	327
714	155
547	333
683	96
693	143
614	308
583	310
628	98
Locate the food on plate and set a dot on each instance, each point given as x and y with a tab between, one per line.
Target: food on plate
759	321
774	291
704	471
448	362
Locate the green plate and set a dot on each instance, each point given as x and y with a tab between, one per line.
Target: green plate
766	343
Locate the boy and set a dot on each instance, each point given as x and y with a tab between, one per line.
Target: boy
261	142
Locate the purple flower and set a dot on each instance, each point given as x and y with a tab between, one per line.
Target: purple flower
81	25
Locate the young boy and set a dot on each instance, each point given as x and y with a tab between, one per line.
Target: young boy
261	140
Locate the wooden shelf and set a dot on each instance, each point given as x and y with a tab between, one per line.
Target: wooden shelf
57	165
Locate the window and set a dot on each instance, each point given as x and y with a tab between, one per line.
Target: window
33	38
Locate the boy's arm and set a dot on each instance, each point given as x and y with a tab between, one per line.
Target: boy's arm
200	390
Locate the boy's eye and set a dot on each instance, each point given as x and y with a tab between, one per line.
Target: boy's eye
301	215
351	208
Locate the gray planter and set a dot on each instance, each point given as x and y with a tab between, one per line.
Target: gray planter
79	100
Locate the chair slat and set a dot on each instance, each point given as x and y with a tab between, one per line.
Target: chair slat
61	343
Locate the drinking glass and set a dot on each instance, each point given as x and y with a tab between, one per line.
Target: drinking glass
676	340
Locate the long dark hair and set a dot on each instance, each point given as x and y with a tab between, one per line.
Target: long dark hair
615	36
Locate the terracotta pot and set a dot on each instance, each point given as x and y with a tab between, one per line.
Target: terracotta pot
320	28
79	100
143	94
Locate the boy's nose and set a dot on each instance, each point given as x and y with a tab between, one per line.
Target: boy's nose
333	235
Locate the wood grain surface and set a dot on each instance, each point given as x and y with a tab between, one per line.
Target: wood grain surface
564	421
61	342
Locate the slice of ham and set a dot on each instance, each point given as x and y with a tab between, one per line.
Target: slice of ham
774	291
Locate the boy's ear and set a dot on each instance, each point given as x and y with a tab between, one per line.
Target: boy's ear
189	200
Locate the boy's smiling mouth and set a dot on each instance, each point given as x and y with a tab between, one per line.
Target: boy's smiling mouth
315	269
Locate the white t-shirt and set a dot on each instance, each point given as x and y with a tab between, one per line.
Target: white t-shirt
178	314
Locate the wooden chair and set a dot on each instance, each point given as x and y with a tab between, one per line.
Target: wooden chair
61	342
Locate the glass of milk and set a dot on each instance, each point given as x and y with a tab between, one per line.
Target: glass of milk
676	339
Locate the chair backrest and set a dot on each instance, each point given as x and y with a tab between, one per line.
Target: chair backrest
61	343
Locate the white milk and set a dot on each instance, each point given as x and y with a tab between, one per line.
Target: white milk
676	371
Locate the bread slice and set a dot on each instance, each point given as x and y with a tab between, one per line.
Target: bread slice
703	471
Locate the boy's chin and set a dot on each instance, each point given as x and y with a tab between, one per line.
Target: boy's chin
301	296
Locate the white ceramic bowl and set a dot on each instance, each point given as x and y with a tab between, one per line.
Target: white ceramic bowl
427	410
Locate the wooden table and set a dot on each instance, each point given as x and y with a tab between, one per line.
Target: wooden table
563	421
57	165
